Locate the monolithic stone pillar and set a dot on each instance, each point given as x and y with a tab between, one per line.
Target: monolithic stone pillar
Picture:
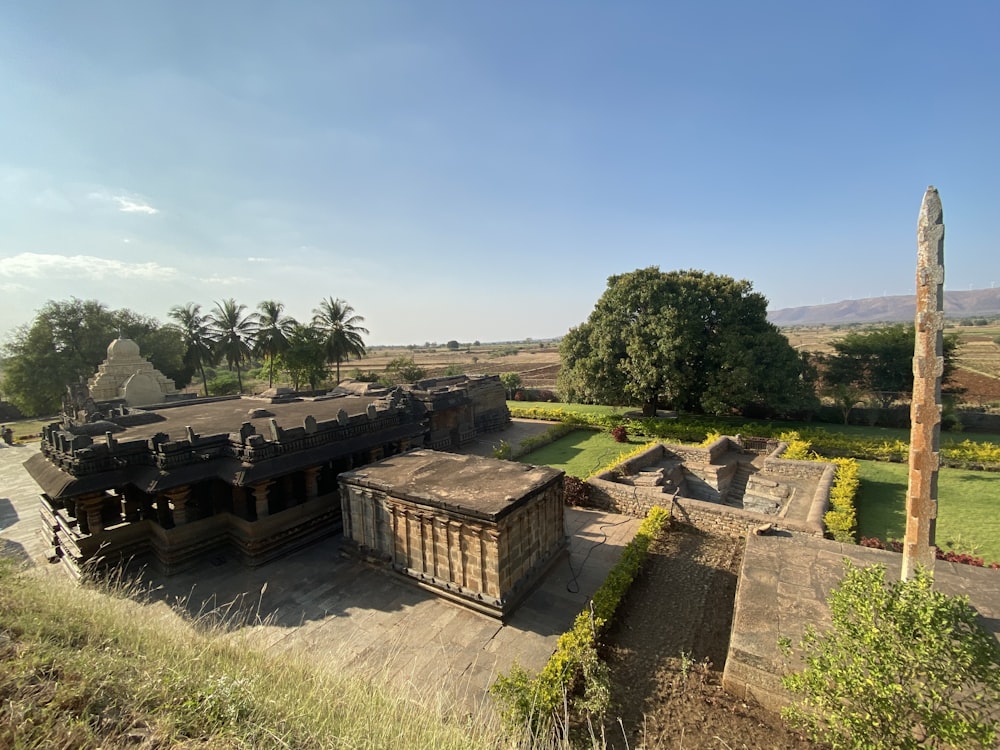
260	498
925	411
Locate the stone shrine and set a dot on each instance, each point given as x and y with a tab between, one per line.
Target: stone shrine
479	530
127	375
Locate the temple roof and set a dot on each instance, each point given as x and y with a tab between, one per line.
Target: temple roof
486	488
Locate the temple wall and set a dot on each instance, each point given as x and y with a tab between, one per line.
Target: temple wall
492	563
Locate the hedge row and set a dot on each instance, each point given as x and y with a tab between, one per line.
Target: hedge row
575	669
966	454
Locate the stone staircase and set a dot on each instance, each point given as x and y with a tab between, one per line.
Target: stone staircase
738	484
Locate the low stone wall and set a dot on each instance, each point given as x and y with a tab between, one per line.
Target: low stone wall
609	495
700	506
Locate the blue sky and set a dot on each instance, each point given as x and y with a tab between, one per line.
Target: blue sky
460	170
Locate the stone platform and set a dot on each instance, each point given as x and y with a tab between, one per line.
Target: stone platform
784	585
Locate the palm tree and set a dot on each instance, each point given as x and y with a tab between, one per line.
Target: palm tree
197	337
233	333
341	330
272	333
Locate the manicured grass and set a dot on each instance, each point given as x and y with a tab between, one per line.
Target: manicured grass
29	429
968	507
572	408
580	453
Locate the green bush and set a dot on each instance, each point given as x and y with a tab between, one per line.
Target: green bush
225	383
575	669
966	454
841	519
902	666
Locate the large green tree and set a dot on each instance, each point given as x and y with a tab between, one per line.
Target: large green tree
304	358
196	337
274	328
689	339
341	330
68	339
879	362
233	331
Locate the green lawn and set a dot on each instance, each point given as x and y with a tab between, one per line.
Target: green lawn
580	453
969	501
968	507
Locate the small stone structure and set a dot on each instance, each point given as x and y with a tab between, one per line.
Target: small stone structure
126	375
479	530
733	485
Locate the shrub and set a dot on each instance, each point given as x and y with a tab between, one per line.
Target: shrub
841	520
902	666
575	490
575	667
620	434
225	383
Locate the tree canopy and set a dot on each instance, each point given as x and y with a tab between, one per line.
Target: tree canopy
68	339
879	362
341	330
688	339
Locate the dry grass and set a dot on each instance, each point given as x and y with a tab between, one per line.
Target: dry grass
82	667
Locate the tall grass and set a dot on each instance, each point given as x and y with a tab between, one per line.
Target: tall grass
82	668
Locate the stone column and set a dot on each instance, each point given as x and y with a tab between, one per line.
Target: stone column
240	502
88	512
491	563
179	498
925	411
312	482
260	498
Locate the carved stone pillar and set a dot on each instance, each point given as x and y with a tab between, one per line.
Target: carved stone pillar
179	498
312	482
260	498
88	512
491	563
240	502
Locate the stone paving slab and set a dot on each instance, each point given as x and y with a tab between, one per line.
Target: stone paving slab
344	613
784	585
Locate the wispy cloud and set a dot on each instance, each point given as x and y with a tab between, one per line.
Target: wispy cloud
226	280
130	204
51	265
259	260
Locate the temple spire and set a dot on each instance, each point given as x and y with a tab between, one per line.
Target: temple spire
925	409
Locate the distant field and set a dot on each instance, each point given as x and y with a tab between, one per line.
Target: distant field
536	362
978	355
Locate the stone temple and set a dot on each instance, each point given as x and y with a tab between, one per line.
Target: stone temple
175	483
128	376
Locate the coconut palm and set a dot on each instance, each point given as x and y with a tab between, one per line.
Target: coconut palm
341	330
233	332
272	333
197	337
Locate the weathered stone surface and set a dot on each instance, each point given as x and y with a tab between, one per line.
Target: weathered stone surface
928	365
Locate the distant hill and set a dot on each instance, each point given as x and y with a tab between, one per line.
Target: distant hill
975	303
